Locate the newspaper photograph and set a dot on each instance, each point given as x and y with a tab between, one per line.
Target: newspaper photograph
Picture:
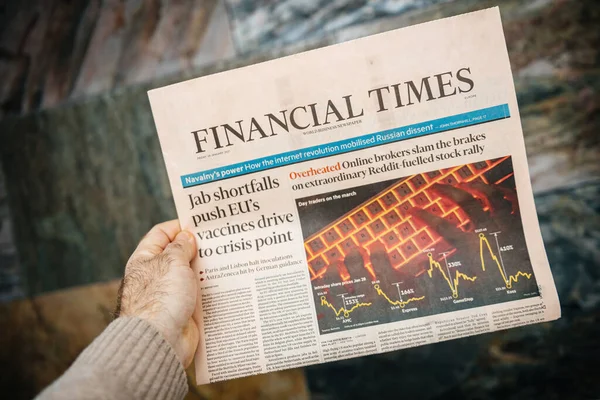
433	242
356	199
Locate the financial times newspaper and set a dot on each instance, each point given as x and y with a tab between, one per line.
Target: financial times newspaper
357	199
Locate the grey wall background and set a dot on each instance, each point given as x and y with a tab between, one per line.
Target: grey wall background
84	177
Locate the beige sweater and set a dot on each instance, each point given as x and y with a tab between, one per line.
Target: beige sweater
129	360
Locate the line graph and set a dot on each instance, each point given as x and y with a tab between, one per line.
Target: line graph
484	243
343	309
401	303
452	282
508	279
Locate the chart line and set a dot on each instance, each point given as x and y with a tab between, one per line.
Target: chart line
508	279
400	302
342	310
459	275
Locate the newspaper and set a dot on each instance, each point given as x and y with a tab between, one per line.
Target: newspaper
356	199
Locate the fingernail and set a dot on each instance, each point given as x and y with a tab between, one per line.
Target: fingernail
186	236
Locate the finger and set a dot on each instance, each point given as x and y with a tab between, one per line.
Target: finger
463	199
334	270
190	337
157	239
355	267
335	273
355	264
182	250
491	195
380	261
511	196
445	229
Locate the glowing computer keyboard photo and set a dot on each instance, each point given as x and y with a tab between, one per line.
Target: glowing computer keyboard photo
385	219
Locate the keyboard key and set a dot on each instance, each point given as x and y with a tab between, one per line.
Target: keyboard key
389	199
420	200
405	230
377	227
423	240
432	175
480	165
391	218
396	258
435	209
418	181
345	227
403	190
316	245
465	172
403	209
348	245
333	254
390	239
363	236
331	236
375	208
317	263
408	249
449	180
360	218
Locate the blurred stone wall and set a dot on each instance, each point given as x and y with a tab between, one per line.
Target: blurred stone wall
265	24
85	179
10	278
56	50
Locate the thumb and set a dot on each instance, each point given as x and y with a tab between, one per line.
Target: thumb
183	248
190	337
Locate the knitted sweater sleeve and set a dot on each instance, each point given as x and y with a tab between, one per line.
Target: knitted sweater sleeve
129	360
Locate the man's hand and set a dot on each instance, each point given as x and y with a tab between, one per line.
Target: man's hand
159	286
